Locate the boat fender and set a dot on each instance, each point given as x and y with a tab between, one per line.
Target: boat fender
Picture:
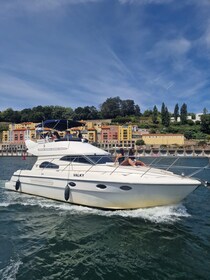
67	192
207	184
17	185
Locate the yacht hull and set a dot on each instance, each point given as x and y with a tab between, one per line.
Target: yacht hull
104	194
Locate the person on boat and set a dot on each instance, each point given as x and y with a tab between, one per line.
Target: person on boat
122	160
79	135
130	160
120	156
56	136
48	137
68	135
131	155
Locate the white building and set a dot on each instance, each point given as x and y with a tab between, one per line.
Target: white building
197	118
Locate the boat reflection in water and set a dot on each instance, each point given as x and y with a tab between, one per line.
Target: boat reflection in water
80	173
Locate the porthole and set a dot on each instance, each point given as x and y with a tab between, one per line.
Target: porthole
72	184
101	186
125	188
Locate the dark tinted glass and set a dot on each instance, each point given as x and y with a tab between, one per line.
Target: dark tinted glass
47	164
100	159
78	159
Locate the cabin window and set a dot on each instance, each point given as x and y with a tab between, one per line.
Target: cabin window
100	159
47	164
76	159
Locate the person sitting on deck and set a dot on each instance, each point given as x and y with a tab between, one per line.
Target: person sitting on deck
131	155
56	136
120	156
68	135
79	135
127	161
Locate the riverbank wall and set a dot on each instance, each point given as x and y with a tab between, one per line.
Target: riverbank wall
139	153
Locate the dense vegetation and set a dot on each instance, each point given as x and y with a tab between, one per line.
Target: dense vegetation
121	112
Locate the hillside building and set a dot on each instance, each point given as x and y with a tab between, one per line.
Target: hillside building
163	139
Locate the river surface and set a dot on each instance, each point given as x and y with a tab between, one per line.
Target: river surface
47	240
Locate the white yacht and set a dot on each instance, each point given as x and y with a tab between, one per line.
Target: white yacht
79	173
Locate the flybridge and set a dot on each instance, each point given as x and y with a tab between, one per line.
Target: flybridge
60	125
62	147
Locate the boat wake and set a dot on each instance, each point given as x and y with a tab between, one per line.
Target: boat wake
11	270
161	214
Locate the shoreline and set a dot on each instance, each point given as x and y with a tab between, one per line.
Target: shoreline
143	153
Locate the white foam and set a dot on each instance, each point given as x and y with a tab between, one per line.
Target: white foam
4	204
162	214
10	271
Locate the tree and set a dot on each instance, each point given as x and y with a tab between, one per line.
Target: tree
140	142
205	123
163	110
26	115
205	111
86	113
37	117
67	113
165	116
137	110
111	108
148	113
127	107
183	114
176	112
188	134
7	115
155	115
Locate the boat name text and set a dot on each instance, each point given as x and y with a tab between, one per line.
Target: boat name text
78	175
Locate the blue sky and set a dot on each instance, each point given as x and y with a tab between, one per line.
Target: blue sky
80	52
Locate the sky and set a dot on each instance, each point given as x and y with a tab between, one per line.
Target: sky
77	53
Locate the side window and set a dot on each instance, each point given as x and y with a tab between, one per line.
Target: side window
68	158
47	164
82	160
78	159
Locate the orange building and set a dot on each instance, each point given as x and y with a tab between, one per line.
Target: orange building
109	134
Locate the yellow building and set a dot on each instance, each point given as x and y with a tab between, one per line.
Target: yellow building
163	139
92	135
97	124
125	133
19	132
5	136
26	125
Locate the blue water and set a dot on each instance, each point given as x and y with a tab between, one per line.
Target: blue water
43	239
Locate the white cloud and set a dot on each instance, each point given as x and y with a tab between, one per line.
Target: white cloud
170	48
